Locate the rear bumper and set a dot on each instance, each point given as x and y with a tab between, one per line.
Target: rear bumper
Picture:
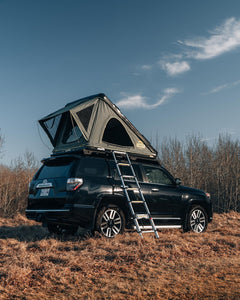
82	215
43	215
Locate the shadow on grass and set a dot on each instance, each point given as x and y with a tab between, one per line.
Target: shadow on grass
29	233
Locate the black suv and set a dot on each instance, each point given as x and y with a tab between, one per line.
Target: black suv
74	190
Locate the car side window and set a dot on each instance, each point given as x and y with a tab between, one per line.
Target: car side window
126	171
156	175
92	167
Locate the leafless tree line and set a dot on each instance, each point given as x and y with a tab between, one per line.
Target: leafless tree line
14	182
213	168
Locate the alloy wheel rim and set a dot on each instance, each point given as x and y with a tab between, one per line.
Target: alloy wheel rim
197	221
111	223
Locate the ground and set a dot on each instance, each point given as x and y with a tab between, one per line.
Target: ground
36	265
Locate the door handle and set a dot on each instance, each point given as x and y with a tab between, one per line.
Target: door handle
155	190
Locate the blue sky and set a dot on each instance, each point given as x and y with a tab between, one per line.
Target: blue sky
173	67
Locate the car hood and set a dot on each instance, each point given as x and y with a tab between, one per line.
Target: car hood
192	191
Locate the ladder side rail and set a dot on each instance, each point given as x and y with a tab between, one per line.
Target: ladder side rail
122	181
143	198
127	196
139	187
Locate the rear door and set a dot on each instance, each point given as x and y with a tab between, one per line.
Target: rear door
128	179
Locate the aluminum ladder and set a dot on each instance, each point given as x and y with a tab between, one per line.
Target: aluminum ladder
131	202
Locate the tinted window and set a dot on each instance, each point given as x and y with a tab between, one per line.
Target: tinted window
54	171
92	167
156	175
126	170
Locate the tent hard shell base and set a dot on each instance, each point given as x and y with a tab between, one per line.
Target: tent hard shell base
94	123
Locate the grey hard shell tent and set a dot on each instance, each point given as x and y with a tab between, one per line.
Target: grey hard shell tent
94	123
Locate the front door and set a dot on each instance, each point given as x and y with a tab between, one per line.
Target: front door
161	192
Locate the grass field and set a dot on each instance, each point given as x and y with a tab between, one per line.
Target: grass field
34	265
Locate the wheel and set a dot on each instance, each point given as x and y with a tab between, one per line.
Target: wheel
110	221
197	220
62	229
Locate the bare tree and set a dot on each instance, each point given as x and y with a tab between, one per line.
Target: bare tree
213	169
14	184
2	141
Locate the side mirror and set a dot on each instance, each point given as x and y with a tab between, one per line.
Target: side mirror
178	181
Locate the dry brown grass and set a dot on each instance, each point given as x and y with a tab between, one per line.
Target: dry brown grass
34	265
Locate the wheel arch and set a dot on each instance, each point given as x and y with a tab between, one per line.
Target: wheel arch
198	202
194	203
117	200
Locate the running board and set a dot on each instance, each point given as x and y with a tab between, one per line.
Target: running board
159	227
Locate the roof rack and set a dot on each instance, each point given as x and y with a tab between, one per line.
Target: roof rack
99	152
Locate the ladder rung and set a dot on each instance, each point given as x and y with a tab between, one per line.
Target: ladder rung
142	216
128	176
120	152
136	216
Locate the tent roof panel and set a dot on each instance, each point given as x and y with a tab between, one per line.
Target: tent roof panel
71	105
103	111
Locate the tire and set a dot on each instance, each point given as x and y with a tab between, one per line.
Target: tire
110	221
197	220
59	229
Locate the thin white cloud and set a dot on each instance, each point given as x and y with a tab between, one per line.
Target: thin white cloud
175	68
138	101
130	102
219	88
223	87
146	67
223	131
228	131
223	39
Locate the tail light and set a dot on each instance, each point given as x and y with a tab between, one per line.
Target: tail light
74	183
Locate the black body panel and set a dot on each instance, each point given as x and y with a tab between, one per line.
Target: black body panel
51	200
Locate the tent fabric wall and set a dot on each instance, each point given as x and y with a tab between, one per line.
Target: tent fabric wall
92	115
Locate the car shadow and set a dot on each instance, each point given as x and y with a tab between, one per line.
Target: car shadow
32	233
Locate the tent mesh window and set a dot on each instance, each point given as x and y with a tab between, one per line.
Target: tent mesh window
85	115
116	134
72	133
52	125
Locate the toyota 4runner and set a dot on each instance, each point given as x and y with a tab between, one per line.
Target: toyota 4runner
74	190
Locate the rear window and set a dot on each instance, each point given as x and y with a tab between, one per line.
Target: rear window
54	170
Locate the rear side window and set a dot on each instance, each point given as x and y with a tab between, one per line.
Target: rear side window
54	171
92	167
126	171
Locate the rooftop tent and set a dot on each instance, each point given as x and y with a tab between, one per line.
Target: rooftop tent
94	122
